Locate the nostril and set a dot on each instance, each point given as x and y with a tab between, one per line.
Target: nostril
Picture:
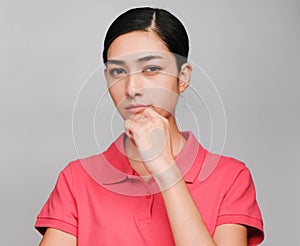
133	86
133	92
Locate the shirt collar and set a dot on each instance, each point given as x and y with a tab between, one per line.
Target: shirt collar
118	169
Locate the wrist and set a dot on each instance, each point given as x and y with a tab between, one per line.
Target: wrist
168	178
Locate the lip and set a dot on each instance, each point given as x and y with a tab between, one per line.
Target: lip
136	108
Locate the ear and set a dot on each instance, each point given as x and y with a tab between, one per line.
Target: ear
105	73
184	76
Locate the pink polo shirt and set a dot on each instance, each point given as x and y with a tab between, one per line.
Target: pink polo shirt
102	201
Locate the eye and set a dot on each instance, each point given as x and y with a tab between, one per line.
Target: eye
152	69
117	72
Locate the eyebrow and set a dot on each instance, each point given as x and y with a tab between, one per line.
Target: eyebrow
140	60
148	58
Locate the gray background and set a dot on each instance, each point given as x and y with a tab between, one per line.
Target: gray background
48	49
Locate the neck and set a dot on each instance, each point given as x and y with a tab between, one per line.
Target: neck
177	139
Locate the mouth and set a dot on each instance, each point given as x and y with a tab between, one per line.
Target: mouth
133	109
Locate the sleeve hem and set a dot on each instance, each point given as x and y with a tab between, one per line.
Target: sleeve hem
43	223
257	233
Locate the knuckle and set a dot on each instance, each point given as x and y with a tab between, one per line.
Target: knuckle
157	121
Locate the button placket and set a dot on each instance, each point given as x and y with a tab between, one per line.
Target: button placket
144	210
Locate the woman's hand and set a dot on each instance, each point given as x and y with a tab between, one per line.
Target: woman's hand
150	133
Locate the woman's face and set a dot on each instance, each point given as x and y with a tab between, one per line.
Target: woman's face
141	72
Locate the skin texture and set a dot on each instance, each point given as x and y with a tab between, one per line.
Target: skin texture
140	66
58	238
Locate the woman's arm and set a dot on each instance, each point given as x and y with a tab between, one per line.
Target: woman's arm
54	237
186	222
188	227
231	234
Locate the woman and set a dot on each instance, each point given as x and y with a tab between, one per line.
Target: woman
145	189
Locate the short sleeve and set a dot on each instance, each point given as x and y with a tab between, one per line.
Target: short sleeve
239	206
59	211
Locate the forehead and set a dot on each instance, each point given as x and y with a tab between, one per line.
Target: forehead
137	43
140	58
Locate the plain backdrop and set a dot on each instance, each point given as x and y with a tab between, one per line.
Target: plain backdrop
48	49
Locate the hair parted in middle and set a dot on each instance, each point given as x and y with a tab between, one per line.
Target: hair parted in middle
167	27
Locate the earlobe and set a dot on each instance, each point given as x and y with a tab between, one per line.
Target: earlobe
185	77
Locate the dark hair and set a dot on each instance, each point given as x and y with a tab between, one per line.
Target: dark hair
168	28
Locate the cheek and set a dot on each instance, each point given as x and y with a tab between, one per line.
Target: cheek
161	92
116	92
166	97
119	100
163	99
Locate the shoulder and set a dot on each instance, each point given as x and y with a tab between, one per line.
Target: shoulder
76	168
233	178
224	169
209	165
230	183
231	166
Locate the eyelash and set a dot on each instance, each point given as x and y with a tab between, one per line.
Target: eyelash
115	72
156	69
119	72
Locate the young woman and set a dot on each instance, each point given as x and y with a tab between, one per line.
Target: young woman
145	188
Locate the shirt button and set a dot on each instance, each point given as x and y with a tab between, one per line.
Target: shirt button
147	196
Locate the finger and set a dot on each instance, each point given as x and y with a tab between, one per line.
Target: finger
131	128
150	112
139	117
127	125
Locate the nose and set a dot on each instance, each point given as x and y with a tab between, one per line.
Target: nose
133	85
